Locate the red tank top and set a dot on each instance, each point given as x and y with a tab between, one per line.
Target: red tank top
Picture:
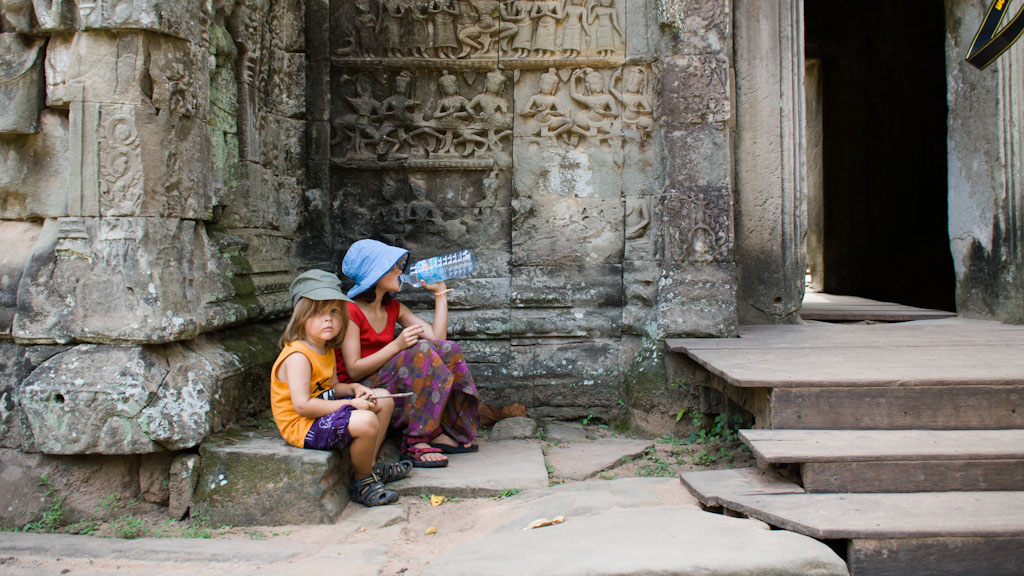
370	341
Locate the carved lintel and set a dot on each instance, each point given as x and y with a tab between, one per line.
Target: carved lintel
414	164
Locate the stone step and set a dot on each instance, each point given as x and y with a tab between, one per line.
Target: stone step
257	479
895	460
886	534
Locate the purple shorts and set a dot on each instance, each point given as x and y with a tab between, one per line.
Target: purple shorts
330	432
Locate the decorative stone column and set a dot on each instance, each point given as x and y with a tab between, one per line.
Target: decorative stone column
986	172
770	165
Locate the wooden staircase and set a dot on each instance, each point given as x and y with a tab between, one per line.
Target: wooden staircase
900	445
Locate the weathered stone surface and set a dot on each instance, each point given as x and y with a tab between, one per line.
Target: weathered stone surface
66	293
566	286
259	479
16	363
132	400
707	141
17	239
640	286
668	539
58	59
585	459
105	68
288	84
698	300
83	482
985	175
21	83
567	322
697	225
695	89
513	428
178	18
155	477
133	161
697	26
495	468
183	478
569	231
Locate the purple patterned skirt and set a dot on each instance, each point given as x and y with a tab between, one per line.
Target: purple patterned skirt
444	395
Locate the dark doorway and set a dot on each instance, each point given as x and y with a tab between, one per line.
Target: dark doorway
883	215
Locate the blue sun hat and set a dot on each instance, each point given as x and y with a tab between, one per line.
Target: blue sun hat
367	261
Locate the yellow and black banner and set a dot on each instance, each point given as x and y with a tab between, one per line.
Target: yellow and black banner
989	44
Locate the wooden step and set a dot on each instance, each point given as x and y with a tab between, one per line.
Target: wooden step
896	461
836	308
896	407
865	516
934	533
947	352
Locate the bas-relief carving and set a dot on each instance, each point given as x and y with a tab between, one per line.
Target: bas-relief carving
698	227
444	125
571	107
467	30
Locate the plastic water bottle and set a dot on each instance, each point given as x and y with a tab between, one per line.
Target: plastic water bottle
440	268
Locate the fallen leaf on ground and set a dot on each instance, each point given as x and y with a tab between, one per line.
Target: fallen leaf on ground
431	530
545	522
436	500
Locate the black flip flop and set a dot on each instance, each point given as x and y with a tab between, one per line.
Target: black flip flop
460	449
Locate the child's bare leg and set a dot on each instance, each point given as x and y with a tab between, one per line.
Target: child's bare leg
385	408
362	425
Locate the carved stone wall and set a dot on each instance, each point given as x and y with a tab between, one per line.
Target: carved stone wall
580	151
151	164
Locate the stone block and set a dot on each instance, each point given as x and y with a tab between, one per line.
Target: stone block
21	83
287	88
261	480
34	171
567	286
697	26
695	89
17	238
288	22
58	60
697	156
262	200
579	322
130	160
155	477
55	15
490	323
641	28
104	67
556	171
178	18
183	478
95	399
67	294
284	145
84	483
568	232
698	300
697	226
16	363
513	428
640	287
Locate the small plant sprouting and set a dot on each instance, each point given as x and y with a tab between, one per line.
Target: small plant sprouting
506	493
680	414
588	418
54	514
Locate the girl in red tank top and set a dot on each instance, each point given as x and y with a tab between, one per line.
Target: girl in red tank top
443	413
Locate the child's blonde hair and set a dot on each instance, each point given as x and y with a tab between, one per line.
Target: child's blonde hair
306	309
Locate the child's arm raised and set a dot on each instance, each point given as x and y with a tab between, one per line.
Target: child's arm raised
297	373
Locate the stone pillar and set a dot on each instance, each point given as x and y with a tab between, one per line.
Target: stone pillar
141	230
697	288
986	172
770	167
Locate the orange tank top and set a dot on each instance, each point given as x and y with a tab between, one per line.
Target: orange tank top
292	426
